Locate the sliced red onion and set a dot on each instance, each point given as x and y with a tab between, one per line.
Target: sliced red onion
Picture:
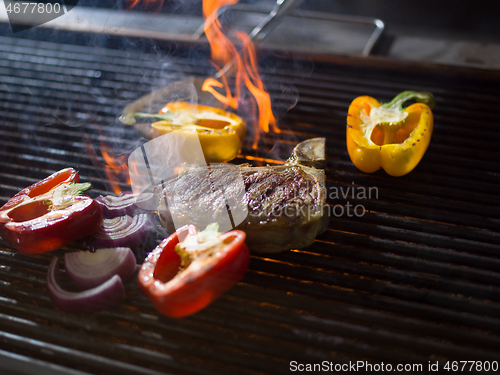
126	204
123	231
90	269
108	294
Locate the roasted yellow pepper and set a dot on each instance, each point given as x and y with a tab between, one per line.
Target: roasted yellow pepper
387	135
220	132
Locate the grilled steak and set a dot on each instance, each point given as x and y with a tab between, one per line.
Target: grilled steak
279	207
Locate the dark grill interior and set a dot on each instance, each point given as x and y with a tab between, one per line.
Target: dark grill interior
416	279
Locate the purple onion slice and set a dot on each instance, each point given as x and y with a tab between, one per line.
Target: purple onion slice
104	296
88	270
122	231
126	204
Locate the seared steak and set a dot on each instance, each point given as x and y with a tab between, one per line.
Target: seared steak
279	207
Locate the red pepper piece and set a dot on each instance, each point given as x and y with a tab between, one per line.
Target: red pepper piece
41	187
49	214
178	290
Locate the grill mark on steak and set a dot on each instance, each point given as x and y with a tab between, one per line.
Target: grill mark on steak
272	193
283	204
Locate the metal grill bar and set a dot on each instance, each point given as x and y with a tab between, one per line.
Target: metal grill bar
416	278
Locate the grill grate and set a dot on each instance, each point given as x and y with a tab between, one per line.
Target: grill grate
416	279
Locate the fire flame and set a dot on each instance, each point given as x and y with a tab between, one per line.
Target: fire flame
153	6
244	64
223	51
115	167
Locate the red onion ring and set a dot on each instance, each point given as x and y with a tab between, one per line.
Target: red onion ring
122	231
126	204
90	269
106	295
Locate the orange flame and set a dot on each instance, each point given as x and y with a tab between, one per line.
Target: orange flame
116	168
245	66
153	6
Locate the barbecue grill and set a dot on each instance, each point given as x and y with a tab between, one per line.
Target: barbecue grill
415	280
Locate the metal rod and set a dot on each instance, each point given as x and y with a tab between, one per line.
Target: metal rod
368	21
281	10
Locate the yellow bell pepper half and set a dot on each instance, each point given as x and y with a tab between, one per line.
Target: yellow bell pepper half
220	132
387	135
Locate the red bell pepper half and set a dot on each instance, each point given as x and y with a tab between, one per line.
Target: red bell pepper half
189	270
50	214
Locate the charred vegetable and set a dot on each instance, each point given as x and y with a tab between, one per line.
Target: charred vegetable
90	269
387	135
50	214
106	295
129	231
220	132
189	270
125	204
